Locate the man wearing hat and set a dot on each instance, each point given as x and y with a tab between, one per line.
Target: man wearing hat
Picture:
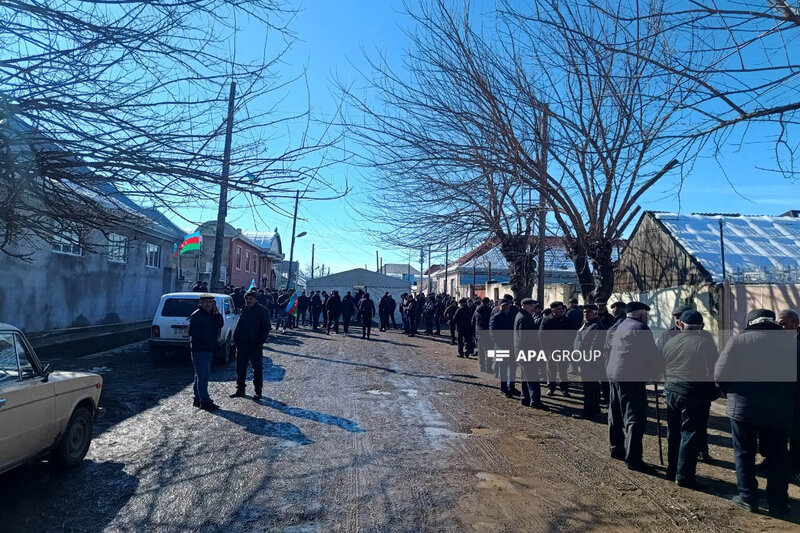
463	323
550	340
689	358
506	368
574	314
790	321
666	335
759	409
618	310
249	337
531	370
205	323
480	322
634	360
588	339
605	318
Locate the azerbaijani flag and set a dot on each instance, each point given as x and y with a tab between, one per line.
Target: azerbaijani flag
291	307
192	242
251	177
252	286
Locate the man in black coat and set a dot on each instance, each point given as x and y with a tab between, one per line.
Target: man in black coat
348	309
366	308
590	339
574	314
205	323
249	337
759	409
383	312
531	370
303	302
449	314
689	359
618	310
551	340
325	296
462	319
315	303
605	318
790	321
391	309
238	298
334	309
480	322
499	322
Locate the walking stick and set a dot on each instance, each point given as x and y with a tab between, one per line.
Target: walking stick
658	428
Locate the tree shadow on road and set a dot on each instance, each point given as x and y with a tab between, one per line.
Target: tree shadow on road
299	412
265	428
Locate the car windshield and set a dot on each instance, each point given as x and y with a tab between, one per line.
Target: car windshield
179	307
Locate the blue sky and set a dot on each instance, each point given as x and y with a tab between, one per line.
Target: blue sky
333	36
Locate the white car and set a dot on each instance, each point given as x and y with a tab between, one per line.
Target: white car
170	328
42	411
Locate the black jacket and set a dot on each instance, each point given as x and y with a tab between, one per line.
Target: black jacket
204	328
315	302
523	322
591	337
253	327
302	302
367	309
740	373
348	305
462	319
238	299
575	317
481	317
334	305
689	359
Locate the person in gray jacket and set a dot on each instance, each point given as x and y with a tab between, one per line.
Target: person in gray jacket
759	409
689	359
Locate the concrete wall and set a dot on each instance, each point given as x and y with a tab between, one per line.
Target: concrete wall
704	298
53	290
742	298
553	292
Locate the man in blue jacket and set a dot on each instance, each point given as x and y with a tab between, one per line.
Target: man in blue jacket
506	368
204	326
634	360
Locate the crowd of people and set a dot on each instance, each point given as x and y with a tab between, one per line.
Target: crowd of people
762	415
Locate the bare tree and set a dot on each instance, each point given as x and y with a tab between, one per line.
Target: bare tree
743	56
463	132
99	98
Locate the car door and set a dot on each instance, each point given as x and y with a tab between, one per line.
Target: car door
174	319
229	315
27	405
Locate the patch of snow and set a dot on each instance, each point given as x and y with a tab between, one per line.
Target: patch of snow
379	392
410	392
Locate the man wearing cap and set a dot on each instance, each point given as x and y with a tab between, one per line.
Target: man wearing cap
589	339
366	309
550	339
462	320
634	360
666	335
205	323
605	318
574	314
618	310
480	322
531	371
689	359
759	409
315	303
506	368
790	321
249	337
334	312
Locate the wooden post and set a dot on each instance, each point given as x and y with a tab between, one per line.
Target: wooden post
222	210
542	206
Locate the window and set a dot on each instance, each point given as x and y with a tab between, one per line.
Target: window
67	242
152	255
238	258
9	371
247	261
227	305
117	248
179	307
24	358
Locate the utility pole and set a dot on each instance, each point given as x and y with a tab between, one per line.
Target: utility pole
421	266
291	248
312	260
542	205
429	268
446	254
215	283
377	262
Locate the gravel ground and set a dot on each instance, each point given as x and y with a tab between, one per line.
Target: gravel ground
392	434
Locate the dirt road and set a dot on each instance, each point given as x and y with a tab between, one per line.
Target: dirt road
393	434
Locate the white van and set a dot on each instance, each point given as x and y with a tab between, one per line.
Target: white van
170	328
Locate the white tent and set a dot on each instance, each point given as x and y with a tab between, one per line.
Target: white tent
352	280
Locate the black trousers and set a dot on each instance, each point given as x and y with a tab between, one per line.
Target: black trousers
532	375
745	437
301	316
627	418
687	419
249	354
333	322
346	322
315	317
591	398
465	343
428	325
557	370
452	332
391	316
384	320
366	327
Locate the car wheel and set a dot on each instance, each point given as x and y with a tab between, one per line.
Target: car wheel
74	444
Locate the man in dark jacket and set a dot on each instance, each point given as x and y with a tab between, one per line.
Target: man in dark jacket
590	339
303	302
325	296
449	314
438	313
428	311
666	335
605	318
462	319
392	306
205	323
532	371
574	314
480	321
315	303
383	312
551	339
366	309
499	322
238	298
634	360
348	309
689	359
334	311
249	337
759	409
790	321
